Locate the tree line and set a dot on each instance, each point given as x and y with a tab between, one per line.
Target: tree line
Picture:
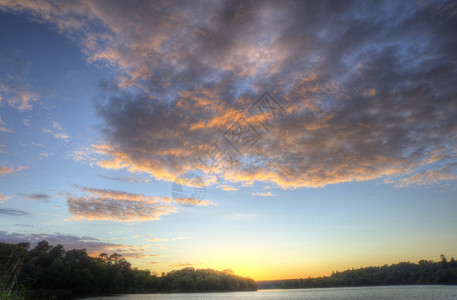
51	272
404	273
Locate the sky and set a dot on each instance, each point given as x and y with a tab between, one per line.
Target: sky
323	133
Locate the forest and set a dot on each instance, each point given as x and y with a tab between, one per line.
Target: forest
404	273
51	272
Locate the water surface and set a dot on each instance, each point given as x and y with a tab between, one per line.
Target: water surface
416	292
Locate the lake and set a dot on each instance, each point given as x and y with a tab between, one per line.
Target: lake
415	292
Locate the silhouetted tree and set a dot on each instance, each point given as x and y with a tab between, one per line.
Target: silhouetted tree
50	272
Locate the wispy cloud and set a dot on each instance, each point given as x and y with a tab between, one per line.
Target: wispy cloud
225	187
155	240
3	129
57	135
26	122
130	179
180	265
7	170
3	198
44	155
13	212
443	174
13	87
118	206
40	197
57	126
263	194
179	238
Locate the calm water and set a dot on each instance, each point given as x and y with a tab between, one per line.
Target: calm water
418	292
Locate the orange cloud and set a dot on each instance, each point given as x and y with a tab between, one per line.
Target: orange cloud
427	177
118	206
6	170
266	194
225	187
155	240
180	265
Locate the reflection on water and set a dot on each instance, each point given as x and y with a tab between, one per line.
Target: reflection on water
418	292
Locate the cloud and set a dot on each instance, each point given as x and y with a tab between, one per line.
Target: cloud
93	246
41	197
3	198
6	170
68	241
368	88
26	122
446	173
225	187
179	238
88	155
3	129
13	87
89	238
180	265
266	194
155	240
56	125
13	212
57	135
118	206
130	179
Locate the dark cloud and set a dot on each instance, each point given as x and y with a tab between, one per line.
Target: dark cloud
369	88
41	197
13	212
68	241
91	244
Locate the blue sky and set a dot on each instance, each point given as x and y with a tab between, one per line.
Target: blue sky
104	104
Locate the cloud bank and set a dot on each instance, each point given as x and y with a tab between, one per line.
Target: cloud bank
368	88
